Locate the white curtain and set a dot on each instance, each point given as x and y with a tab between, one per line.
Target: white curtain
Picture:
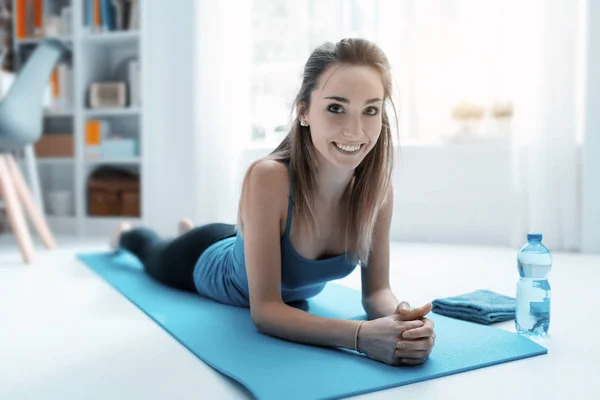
222	105
546	130
590	217
528	52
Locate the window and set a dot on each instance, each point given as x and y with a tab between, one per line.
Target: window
451	59
460	79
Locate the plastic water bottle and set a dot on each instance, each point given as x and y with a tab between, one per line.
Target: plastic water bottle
533	290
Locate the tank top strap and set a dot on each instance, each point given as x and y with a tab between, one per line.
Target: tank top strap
288	223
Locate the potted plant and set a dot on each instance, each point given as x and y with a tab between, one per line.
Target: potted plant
501	112
468	116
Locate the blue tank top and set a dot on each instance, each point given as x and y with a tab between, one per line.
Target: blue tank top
221	270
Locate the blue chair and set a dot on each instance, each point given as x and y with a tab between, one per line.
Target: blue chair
21	122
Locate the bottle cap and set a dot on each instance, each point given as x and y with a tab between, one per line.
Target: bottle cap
534	236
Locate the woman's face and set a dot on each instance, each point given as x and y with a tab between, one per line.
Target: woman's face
345	114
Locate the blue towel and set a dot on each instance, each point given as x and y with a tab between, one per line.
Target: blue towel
482	306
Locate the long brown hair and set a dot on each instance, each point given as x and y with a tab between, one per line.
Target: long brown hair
368	188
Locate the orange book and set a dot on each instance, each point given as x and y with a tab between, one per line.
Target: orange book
54	81
97	15
93	133
38	17
21	19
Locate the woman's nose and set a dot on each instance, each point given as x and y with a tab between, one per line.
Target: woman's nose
353	130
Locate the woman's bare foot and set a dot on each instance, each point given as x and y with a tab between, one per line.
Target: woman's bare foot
123	227
185	225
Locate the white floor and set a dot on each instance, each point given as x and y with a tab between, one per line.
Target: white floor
66	334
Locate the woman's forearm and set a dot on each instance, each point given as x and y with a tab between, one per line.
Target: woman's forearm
289	323
380	304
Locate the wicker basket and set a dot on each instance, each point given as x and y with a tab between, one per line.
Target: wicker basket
113	192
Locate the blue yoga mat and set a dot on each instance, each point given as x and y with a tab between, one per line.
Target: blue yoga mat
225	338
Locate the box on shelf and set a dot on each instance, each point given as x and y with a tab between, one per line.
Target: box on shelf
108	95
117	148
113	192
55	145
102	144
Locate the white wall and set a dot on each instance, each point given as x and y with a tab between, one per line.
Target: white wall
195	90
168	124
453	194
591	152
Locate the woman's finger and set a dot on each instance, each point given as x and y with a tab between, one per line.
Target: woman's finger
417	313
403	308
412	361
420	354
404	326
421	344
425	331
424	309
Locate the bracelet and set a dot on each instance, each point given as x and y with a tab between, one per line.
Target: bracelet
356	336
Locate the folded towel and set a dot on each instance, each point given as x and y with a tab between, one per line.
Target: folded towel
482	306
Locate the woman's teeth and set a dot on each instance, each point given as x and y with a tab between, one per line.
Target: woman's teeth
347	148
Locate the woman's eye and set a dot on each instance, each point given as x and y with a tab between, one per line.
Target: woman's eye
372	111
335	108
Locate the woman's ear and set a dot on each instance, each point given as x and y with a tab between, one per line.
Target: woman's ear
302	113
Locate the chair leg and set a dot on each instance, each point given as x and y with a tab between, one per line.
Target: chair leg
33	176
15	212
37	217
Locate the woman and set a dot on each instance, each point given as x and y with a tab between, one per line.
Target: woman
317	206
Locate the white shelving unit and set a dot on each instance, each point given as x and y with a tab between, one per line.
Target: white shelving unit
95	56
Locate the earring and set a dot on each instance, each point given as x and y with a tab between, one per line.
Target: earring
302	123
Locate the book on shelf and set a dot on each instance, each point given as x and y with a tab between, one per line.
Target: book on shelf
95	131
29	18
61	83
112	15
39	18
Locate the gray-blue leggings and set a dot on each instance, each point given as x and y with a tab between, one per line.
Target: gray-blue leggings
172	261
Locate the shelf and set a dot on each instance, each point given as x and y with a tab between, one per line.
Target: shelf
58	114
132	160
95	56
55	160
112	218
93	226
71	160
36	40
49	161
114	37
106	226
112	112
62	225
